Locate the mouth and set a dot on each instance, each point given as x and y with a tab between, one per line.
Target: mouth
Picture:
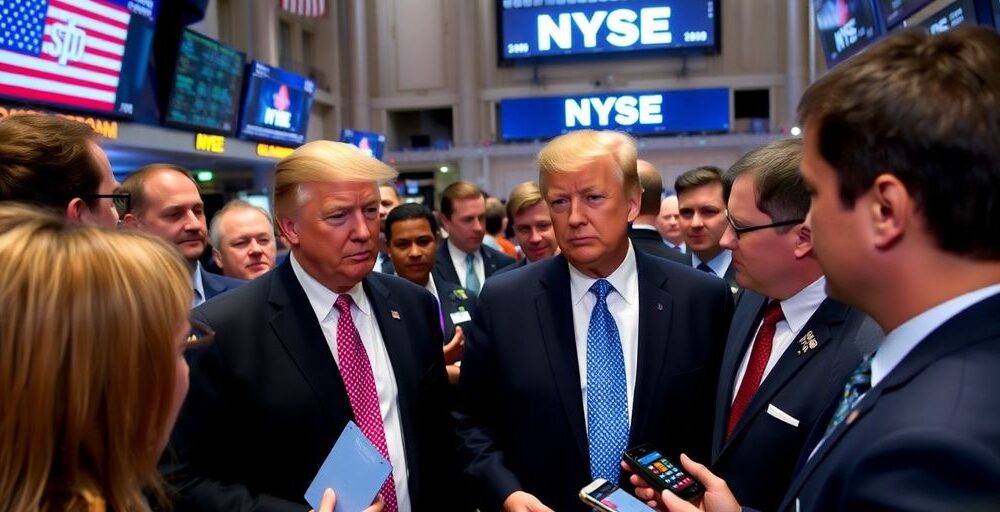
360	256
258	266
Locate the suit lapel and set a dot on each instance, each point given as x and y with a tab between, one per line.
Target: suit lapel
555	317
295	326
444	264
489	262
655	320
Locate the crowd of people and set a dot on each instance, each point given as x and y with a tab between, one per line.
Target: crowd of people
813	328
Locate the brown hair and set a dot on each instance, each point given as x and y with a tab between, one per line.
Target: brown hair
85	399
456	191
781	193
925	109
135	184
575	150
698	177
652	188
47	161
523	196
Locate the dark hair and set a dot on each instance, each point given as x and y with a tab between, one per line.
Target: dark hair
698	177
47	161
495	212
409	211
925	109
135	184
456	191
781	193
652	188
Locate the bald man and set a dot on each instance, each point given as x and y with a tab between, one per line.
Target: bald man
643	232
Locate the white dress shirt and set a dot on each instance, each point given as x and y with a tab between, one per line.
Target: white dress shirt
719	264
623	304
198	286
458	259
321	299
798	309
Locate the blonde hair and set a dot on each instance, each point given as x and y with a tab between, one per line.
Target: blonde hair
323	161
523	196
87	361
582	148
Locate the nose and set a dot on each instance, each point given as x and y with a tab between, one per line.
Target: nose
361	232
413	253
536	236
255	247
697	221
576	216
193	222
729	240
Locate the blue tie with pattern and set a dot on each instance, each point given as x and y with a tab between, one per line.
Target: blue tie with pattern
857	384
471	279
607	403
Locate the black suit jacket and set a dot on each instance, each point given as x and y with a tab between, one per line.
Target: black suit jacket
215	284
454	299
729	276
493	260
650	242
926	437
759	459
267	402
521	411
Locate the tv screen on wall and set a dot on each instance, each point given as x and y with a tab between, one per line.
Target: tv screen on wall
276	105
206	89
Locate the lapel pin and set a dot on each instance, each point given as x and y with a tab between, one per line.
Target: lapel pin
395	314
659	307
807	342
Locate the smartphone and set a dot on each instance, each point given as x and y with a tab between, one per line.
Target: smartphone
607	497
661	473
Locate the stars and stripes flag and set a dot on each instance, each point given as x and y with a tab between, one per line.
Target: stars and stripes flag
66	52
309	8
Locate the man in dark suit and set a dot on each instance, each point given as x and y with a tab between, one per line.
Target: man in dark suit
573	359
319	341
903	221
165	201
463	259
532	225
790	347
643	231
411	234
703	220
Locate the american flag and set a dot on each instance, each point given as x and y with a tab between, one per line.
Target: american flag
310	8
66	52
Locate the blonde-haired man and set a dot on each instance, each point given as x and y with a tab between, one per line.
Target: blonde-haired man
586	353
532	224
320	341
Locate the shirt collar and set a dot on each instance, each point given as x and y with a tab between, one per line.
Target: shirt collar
644	226
197	283
799	308
322	298
622	279
718	264
431	287
903	339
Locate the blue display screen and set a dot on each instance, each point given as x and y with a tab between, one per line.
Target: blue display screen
276	105
639	113
370	142
532	29
845	27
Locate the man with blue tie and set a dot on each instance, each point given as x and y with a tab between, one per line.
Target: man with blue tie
902	156
463	259
573	359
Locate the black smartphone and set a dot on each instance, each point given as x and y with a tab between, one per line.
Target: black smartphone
605	496
661	473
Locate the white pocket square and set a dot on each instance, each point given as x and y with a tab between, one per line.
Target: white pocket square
782	415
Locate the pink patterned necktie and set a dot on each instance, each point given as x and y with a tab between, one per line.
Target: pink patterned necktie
356	370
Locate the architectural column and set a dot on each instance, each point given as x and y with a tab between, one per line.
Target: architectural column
795	78
467	115
264	38
360	96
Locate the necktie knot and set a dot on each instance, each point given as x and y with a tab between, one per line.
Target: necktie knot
470	259
705	268
601	288
343	304
471	278
773	313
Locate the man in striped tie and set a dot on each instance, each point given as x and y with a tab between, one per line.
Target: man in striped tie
319	341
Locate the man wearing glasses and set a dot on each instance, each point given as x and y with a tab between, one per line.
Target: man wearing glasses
56	164
790	347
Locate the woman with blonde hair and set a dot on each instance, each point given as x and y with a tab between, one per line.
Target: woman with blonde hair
92	373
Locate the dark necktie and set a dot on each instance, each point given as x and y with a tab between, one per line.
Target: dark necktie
759	354
705	268
857	385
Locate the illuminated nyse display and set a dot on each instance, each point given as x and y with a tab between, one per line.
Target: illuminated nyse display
276	105
206	86
639	113
545	28
845	26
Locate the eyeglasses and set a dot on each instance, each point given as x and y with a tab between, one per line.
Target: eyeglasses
200	334
123	202
740	231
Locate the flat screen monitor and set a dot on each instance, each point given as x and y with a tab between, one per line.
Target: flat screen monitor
845	27
532	30
895	11
370	142
950	16
88	55
276	105
206	90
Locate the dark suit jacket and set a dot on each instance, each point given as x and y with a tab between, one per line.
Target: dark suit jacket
650	242
759	459
267	402
521	411
493	260
214	284
453	299
926	437
512	266
729	276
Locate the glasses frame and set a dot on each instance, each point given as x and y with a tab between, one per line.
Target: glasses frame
116	199
749	229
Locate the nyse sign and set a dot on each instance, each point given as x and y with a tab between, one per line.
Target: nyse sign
624	28
640	113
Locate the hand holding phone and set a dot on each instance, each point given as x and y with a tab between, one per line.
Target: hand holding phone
608	497
661	473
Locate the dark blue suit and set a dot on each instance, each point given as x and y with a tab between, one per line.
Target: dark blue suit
521	414
267	401
759	459
214	284
493	260
926	437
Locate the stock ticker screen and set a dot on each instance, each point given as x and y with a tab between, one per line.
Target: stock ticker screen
206	88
